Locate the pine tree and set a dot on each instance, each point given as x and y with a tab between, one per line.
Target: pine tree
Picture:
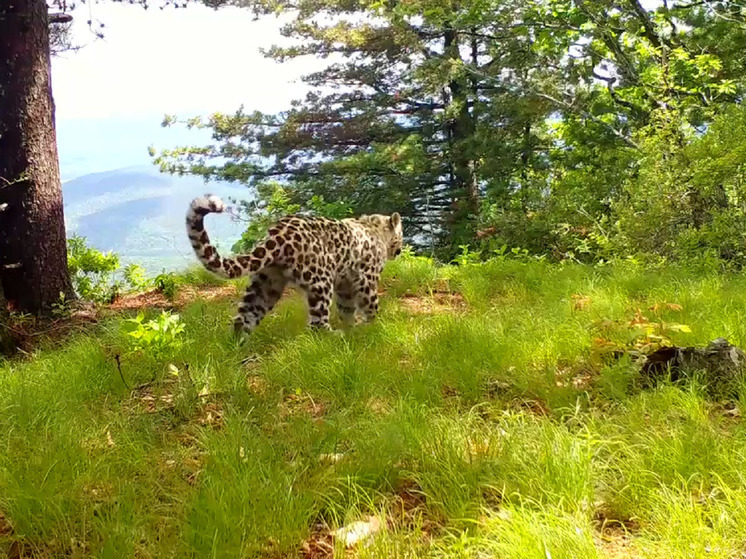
418	112
33	253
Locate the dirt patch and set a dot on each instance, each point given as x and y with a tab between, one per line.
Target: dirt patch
409	510
533	406
579	375
615	542
27	549
728	410
406	510
22	334
296	404
257	385
5	527
434	304
614	537
152	398
187	294
320	544
450	392
161	397
580	302
99	492
211	415
189	460
379	406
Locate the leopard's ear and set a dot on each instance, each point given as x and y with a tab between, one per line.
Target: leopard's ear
395	220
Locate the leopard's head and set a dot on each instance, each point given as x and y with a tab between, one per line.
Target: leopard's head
389	229
396	235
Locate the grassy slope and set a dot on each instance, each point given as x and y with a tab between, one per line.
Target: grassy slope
460	425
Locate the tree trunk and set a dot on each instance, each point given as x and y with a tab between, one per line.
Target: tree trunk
460	129
525	161
33	251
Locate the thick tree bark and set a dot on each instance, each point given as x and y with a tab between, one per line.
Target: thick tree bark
33	251
460	133
525	162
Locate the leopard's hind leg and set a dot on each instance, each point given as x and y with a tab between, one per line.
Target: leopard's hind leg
366	296
318	290
261	296
344	297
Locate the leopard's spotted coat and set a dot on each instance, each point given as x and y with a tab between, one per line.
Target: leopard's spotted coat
325	258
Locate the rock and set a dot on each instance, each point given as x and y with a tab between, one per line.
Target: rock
720	362
358	531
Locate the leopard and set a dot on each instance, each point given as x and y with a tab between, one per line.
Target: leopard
338	260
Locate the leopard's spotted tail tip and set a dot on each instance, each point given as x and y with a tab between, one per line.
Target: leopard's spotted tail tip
209	203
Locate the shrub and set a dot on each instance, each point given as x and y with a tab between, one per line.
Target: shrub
157	335
97	275
167	283
92	271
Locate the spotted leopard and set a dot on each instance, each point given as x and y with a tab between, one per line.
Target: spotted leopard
325	258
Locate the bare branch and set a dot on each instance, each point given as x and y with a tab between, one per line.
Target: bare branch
60	18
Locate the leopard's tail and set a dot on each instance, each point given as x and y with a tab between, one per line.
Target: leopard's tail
207	253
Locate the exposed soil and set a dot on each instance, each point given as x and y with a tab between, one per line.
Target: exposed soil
186	294
434	304
22	334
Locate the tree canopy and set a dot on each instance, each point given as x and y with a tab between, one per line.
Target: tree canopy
565	127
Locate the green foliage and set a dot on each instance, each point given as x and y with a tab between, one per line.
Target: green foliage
333	210
198	276
92	271
156	336
467	256
541	125
97	276
686	203
273	203
168	284
135	277
62	307
474	411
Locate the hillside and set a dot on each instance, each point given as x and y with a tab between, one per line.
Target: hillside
139	214
483	414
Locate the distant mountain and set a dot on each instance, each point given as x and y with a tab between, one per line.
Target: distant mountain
139	214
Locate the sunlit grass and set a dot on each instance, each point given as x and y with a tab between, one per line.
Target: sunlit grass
481	425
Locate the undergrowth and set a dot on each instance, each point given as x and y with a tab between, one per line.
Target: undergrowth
479	416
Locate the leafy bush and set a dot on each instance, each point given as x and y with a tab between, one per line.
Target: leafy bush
157	335
333	210
681	198
97	275
688	202
135	277
92	271
167	283
467	256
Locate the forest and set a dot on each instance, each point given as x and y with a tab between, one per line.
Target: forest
588	131
557	366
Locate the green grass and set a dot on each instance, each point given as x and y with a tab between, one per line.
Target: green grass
490	429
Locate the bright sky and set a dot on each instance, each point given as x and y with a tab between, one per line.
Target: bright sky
112	94
185	61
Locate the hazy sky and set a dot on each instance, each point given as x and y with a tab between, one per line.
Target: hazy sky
112	94
173	60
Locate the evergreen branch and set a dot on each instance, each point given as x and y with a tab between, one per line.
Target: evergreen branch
586	114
